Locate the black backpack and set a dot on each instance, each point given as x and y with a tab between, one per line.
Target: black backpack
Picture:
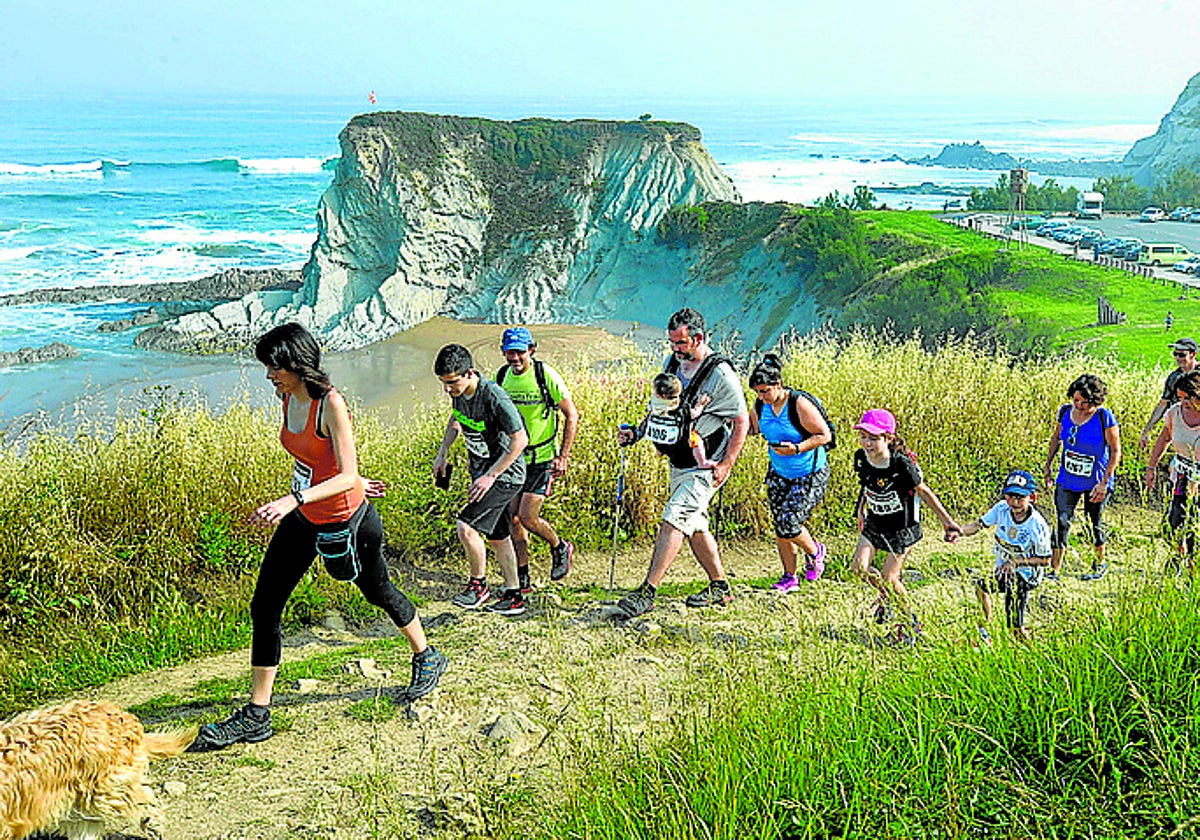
794	415
548	403
539	373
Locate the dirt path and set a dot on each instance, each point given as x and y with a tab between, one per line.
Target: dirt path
346	764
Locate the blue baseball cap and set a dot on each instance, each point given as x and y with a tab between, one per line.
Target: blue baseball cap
1019	483
516	338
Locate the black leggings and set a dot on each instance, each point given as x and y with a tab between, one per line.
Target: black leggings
1181	514
292	550
1065	502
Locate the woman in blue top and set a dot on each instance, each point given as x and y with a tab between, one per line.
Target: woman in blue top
1086	446
799	473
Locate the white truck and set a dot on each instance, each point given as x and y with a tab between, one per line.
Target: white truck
1089	205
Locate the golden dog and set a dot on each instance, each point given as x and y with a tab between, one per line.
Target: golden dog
78	770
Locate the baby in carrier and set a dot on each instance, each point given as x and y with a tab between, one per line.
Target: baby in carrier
667	419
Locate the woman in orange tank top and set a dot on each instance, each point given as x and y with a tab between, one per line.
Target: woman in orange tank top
326	512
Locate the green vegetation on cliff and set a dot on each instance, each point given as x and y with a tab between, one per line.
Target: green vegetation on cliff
910	272
526	165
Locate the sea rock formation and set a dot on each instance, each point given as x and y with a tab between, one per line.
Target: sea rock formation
33	355
532	221
1176	143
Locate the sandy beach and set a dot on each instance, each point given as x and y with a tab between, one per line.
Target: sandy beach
394	375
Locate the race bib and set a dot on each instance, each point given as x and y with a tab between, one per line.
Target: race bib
301	477
477	446
1007	552
1187	468
662	429
1076	463
883	504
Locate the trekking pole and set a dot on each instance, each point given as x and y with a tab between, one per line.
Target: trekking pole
612	563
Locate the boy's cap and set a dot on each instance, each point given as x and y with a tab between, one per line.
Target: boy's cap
1188	344
516	338
878	421
1019	483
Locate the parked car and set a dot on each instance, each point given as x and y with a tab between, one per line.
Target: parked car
1091	238
1051	226
1187	266
1180	213
1162	253
1028	222
1132	249
1110	245
1152	214
1070	235
1194	216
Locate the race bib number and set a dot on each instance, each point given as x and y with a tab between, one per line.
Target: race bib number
301	477
1007	552
662	430
477	446
883	504
1188	468
1076	463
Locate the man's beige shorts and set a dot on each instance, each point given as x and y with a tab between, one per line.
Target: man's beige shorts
687	509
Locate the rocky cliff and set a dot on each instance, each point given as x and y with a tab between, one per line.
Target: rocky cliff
532	221
1175	144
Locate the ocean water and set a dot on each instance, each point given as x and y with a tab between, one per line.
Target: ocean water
145	189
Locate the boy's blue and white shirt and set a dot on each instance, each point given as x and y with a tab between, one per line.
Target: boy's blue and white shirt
1018	541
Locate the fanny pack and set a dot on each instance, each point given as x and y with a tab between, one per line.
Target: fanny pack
336	547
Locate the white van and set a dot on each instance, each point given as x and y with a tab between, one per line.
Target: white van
1162	253
1089	205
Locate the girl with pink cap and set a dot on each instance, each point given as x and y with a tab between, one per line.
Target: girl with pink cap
889	517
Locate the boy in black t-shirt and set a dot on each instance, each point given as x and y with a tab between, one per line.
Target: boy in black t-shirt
485	415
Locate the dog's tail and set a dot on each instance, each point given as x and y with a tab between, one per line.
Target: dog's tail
167	744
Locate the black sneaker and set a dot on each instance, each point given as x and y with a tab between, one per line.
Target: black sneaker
511	603
560	559
474	595
249	724
427	668
1098	571
883	612
523	580
713	595
638	602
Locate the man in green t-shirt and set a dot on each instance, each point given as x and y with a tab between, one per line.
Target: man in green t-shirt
540	396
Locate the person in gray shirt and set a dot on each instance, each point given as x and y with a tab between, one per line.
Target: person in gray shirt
723	424
488	420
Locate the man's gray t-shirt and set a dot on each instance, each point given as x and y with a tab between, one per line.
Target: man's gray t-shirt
489	419
727	402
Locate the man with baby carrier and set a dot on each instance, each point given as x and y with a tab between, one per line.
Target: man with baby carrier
710	383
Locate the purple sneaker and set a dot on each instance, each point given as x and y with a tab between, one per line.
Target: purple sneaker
787	583
815	567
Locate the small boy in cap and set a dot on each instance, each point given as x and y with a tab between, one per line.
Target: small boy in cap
1022	550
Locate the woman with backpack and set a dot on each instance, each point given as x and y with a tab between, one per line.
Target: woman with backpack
798	434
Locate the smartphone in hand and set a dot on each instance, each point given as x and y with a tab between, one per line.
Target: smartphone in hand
442	482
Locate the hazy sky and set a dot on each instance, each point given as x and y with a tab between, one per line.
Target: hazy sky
447	48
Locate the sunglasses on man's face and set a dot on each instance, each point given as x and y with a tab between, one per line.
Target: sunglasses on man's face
1181	354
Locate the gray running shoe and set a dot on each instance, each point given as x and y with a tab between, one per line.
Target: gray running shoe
474	595
511	602
714	595
249	724
638	602
427	668
560	560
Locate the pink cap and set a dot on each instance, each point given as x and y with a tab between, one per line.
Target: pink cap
878	421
